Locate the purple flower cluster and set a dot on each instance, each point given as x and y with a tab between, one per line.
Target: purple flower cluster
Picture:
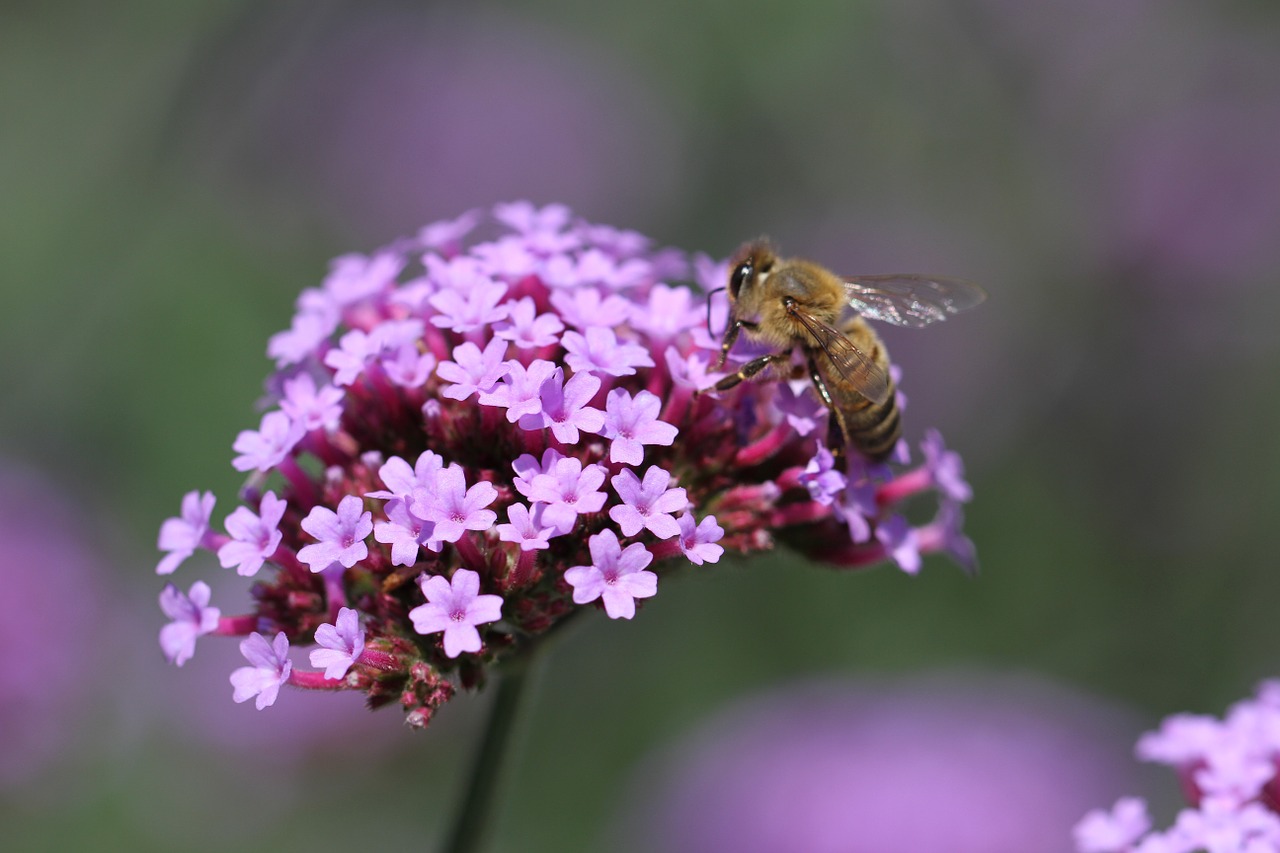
482	429
1230	773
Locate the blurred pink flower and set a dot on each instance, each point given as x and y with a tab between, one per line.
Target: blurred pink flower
972	764
53	622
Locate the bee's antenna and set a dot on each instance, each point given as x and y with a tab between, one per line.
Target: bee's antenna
711	293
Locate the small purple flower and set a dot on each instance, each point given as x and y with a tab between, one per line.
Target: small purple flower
691	371
355	350
254	536
1103	832
697	540
945	467
859	505
180	537
647	504
271	668
797	402
570	489
191	617
520	391
401	480
473	371
525	528
456	608
945	534
821	478
447	235
615	574
528	469
305	335
597	267
453	507
585	307
354	277
667	312
632	423
342	644
564	407
509	258
1182	740
525	218
526	330
405	532
465	310
899	538
312	408
341	535
407	367
267	447
599	351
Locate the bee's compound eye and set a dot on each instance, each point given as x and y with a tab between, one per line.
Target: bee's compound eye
741	273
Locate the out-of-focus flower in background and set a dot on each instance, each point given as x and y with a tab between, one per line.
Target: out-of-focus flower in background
56	624
389	116
967	763
1228	771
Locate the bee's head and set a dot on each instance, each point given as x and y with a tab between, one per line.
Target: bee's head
748	262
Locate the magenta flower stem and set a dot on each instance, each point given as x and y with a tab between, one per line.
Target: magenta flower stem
857	556
904	486
754	454
799	513
303	486
470	554
666	549
673	411
314	681
474	815
237	626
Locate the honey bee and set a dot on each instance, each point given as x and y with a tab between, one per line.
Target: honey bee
797	305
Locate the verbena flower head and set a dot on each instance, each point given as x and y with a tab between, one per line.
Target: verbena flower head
474	438
1229	770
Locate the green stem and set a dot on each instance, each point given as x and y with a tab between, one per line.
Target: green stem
475	816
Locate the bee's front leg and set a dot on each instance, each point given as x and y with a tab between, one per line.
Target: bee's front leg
750	369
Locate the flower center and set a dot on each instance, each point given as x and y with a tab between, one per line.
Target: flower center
458	615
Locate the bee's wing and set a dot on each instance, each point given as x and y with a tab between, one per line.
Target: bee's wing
911	300
853	365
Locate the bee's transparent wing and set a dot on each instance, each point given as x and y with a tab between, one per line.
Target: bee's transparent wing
853	365
911	300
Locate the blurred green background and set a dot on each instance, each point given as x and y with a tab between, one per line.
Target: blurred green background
174	174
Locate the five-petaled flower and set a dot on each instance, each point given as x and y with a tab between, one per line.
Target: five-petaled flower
341	643
616	574
647	504
180	537
254	536
341	535
270	669
455	607
192	617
